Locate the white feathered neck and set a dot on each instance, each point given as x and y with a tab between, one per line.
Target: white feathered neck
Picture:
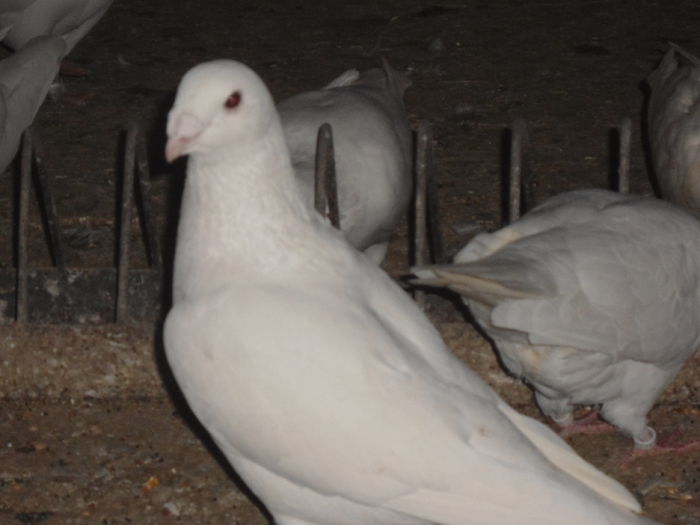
241	213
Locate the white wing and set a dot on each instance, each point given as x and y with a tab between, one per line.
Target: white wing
25	78
69	19
616	279
348	406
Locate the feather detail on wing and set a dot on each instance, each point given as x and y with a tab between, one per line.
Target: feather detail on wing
563	456
491	281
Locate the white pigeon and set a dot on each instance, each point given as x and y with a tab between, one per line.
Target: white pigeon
592	297
320	380
23	20
373	151
673	120
25	78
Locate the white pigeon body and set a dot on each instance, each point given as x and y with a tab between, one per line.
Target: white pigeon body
592	297
373	151
25	78
324	385
23	20
673	120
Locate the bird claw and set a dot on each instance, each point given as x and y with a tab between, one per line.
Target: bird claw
589	424
666	446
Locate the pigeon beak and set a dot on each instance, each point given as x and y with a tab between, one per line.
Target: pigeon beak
183	129
176	147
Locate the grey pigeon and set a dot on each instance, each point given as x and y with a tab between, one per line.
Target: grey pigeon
25	78
23	20
673	120
592	297
373	151
320	380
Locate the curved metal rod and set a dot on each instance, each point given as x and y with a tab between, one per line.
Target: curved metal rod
125	224
623	169
143	177
423	142
25	181
325	186
46	201
518	145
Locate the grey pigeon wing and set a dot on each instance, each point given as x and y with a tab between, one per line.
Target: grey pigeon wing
564	210
25	78
10	11
69	19
618	293
74	27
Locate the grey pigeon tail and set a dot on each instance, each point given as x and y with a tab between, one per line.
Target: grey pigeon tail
592	297
673	120
373	151
23	20
25	78
321	381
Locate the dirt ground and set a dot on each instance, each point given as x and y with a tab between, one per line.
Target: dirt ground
94	431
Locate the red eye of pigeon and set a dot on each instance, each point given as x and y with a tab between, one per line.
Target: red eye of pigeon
233	100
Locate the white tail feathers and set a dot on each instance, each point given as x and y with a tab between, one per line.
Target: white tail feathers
564	457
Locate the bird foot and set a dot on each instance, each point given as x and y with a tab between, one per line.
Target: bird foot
590	424
666	446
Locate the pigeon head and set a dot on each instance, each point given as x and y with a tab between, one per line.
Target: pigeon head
221	104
